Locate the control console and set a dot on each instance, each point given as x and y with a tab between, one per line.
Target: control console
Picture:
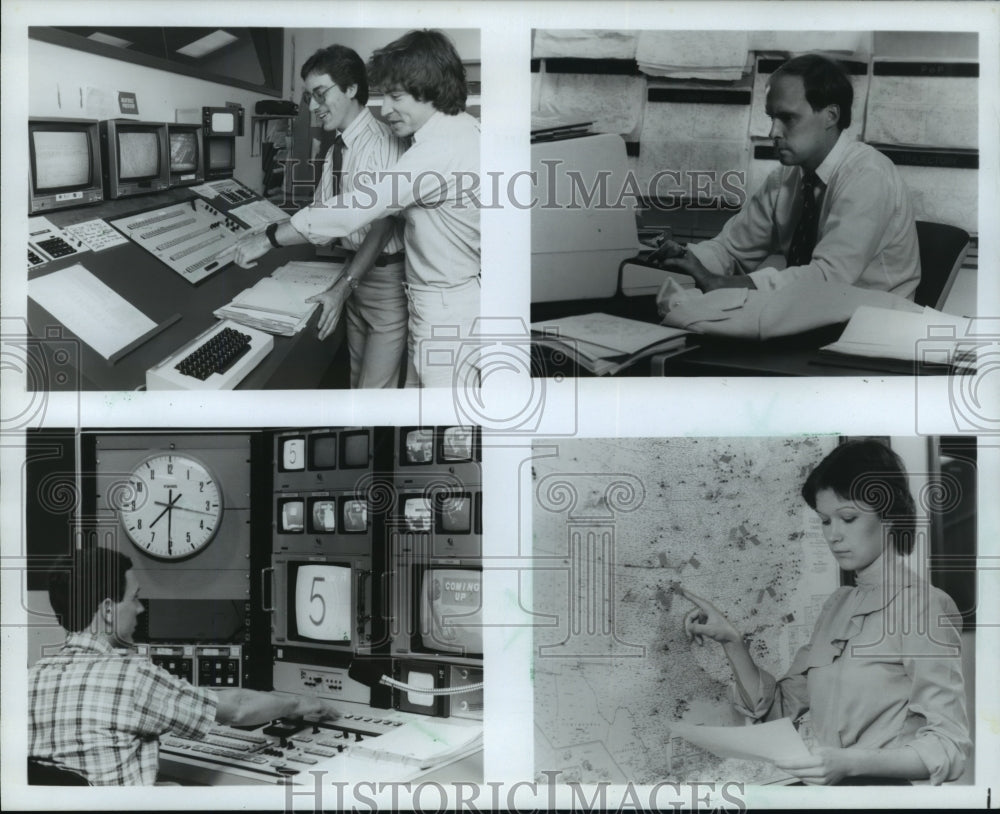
195	239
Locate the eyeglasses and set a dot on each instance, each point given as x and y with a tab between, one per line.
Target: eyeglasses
318	95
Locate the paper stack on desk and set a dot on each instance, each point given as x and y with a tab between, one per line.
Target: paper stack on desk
606	344
277	304
421	743
924	337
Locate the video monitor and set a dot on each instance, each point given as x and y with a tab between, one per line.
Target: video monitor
355	449
186	164
323	451
64	160
354	516
417	446
322	515
221	155
138	154
292	454
451	611
319	602
222	121
454	513
290	518
417	514
136	157
458	444
183	151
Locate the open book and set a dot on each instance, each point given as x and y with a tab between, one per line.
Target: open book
605	344
925	337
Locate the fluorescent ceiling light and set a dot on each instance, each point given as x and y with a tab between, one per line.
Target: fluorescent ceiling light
107	39
207	44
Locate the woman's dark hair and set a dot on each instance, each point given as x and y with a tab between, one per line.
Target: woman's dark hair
825	83
79	584
426	65
873	476
343	66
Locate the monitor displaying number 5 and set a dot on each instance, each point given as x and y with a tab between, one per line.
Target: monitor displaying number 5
323	602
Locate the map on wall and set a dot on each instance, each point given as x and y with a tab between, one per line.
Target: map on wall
618	525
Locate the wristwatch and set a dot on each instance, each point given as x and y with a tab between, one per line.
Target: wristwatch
351	282
269	231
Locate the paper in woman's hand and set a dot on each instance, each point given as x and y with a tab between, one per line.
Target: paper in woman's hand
774	741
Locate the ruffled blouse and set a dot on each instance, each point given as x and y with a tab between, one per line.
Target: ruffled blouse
883	670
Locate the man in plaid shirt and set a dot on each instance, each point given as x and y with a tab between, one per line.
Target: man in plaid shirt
97	710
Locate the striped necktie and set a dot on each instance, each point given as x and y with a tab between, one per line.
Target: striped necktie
804	237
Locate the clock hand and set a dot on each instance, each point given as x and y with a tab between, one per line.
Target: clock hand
170	528
188	509
169	506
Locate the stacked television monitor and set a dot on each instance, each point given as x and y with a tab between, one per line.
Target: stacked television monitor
376	554
136	157
435	533
220	127
187	160
64	161
326	569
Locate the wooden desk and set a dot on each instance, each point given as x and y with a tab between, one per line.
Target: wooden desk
299	361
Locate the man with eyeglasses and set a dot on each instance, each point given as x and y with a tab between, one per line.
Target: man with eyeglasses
434	188
370	290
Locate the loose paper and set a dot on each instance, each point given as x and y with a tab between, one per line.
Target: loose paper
90	309
774	741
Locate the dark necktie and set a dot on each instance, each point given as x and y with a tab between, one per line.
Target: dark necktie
337	165
804	237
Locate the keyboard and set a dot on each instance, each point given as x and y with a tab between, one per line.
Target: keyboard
218	359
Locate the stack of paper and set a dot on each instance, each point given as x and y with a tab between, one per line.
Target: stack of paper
926	337
606	344
422	744
277	304
720	55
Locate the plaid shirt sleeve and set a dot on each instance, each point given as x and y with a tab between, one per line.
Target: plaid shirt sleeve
164	703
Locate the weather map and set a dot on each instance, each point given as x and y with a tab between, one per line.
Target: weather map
618	525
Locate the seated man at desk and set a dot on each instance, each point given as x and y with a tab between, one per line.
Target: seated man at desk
372	283
836	209
433	187
97	711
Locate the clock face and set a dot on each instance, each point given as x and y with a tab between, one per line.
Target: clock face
173	508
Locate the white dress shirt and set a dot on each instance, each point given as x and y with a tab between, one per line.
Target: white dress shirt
867	235
434	186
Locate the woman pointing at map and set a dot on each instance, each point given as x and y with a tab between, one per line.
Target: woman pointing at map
881	675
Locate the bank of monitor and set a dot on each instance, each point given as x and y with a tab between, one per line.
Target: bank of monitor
444	521
322	603
187	163
136	157
453	449
324	458
326	522
64	164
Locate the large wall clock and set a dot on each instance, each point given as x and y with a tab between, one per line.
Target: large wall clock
175	507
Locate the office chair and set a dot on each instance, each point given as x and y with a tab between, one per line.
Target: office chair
39	774
942	250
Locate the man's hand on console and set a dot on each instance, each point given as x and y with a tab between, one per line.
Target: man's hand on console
249	248
316	708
